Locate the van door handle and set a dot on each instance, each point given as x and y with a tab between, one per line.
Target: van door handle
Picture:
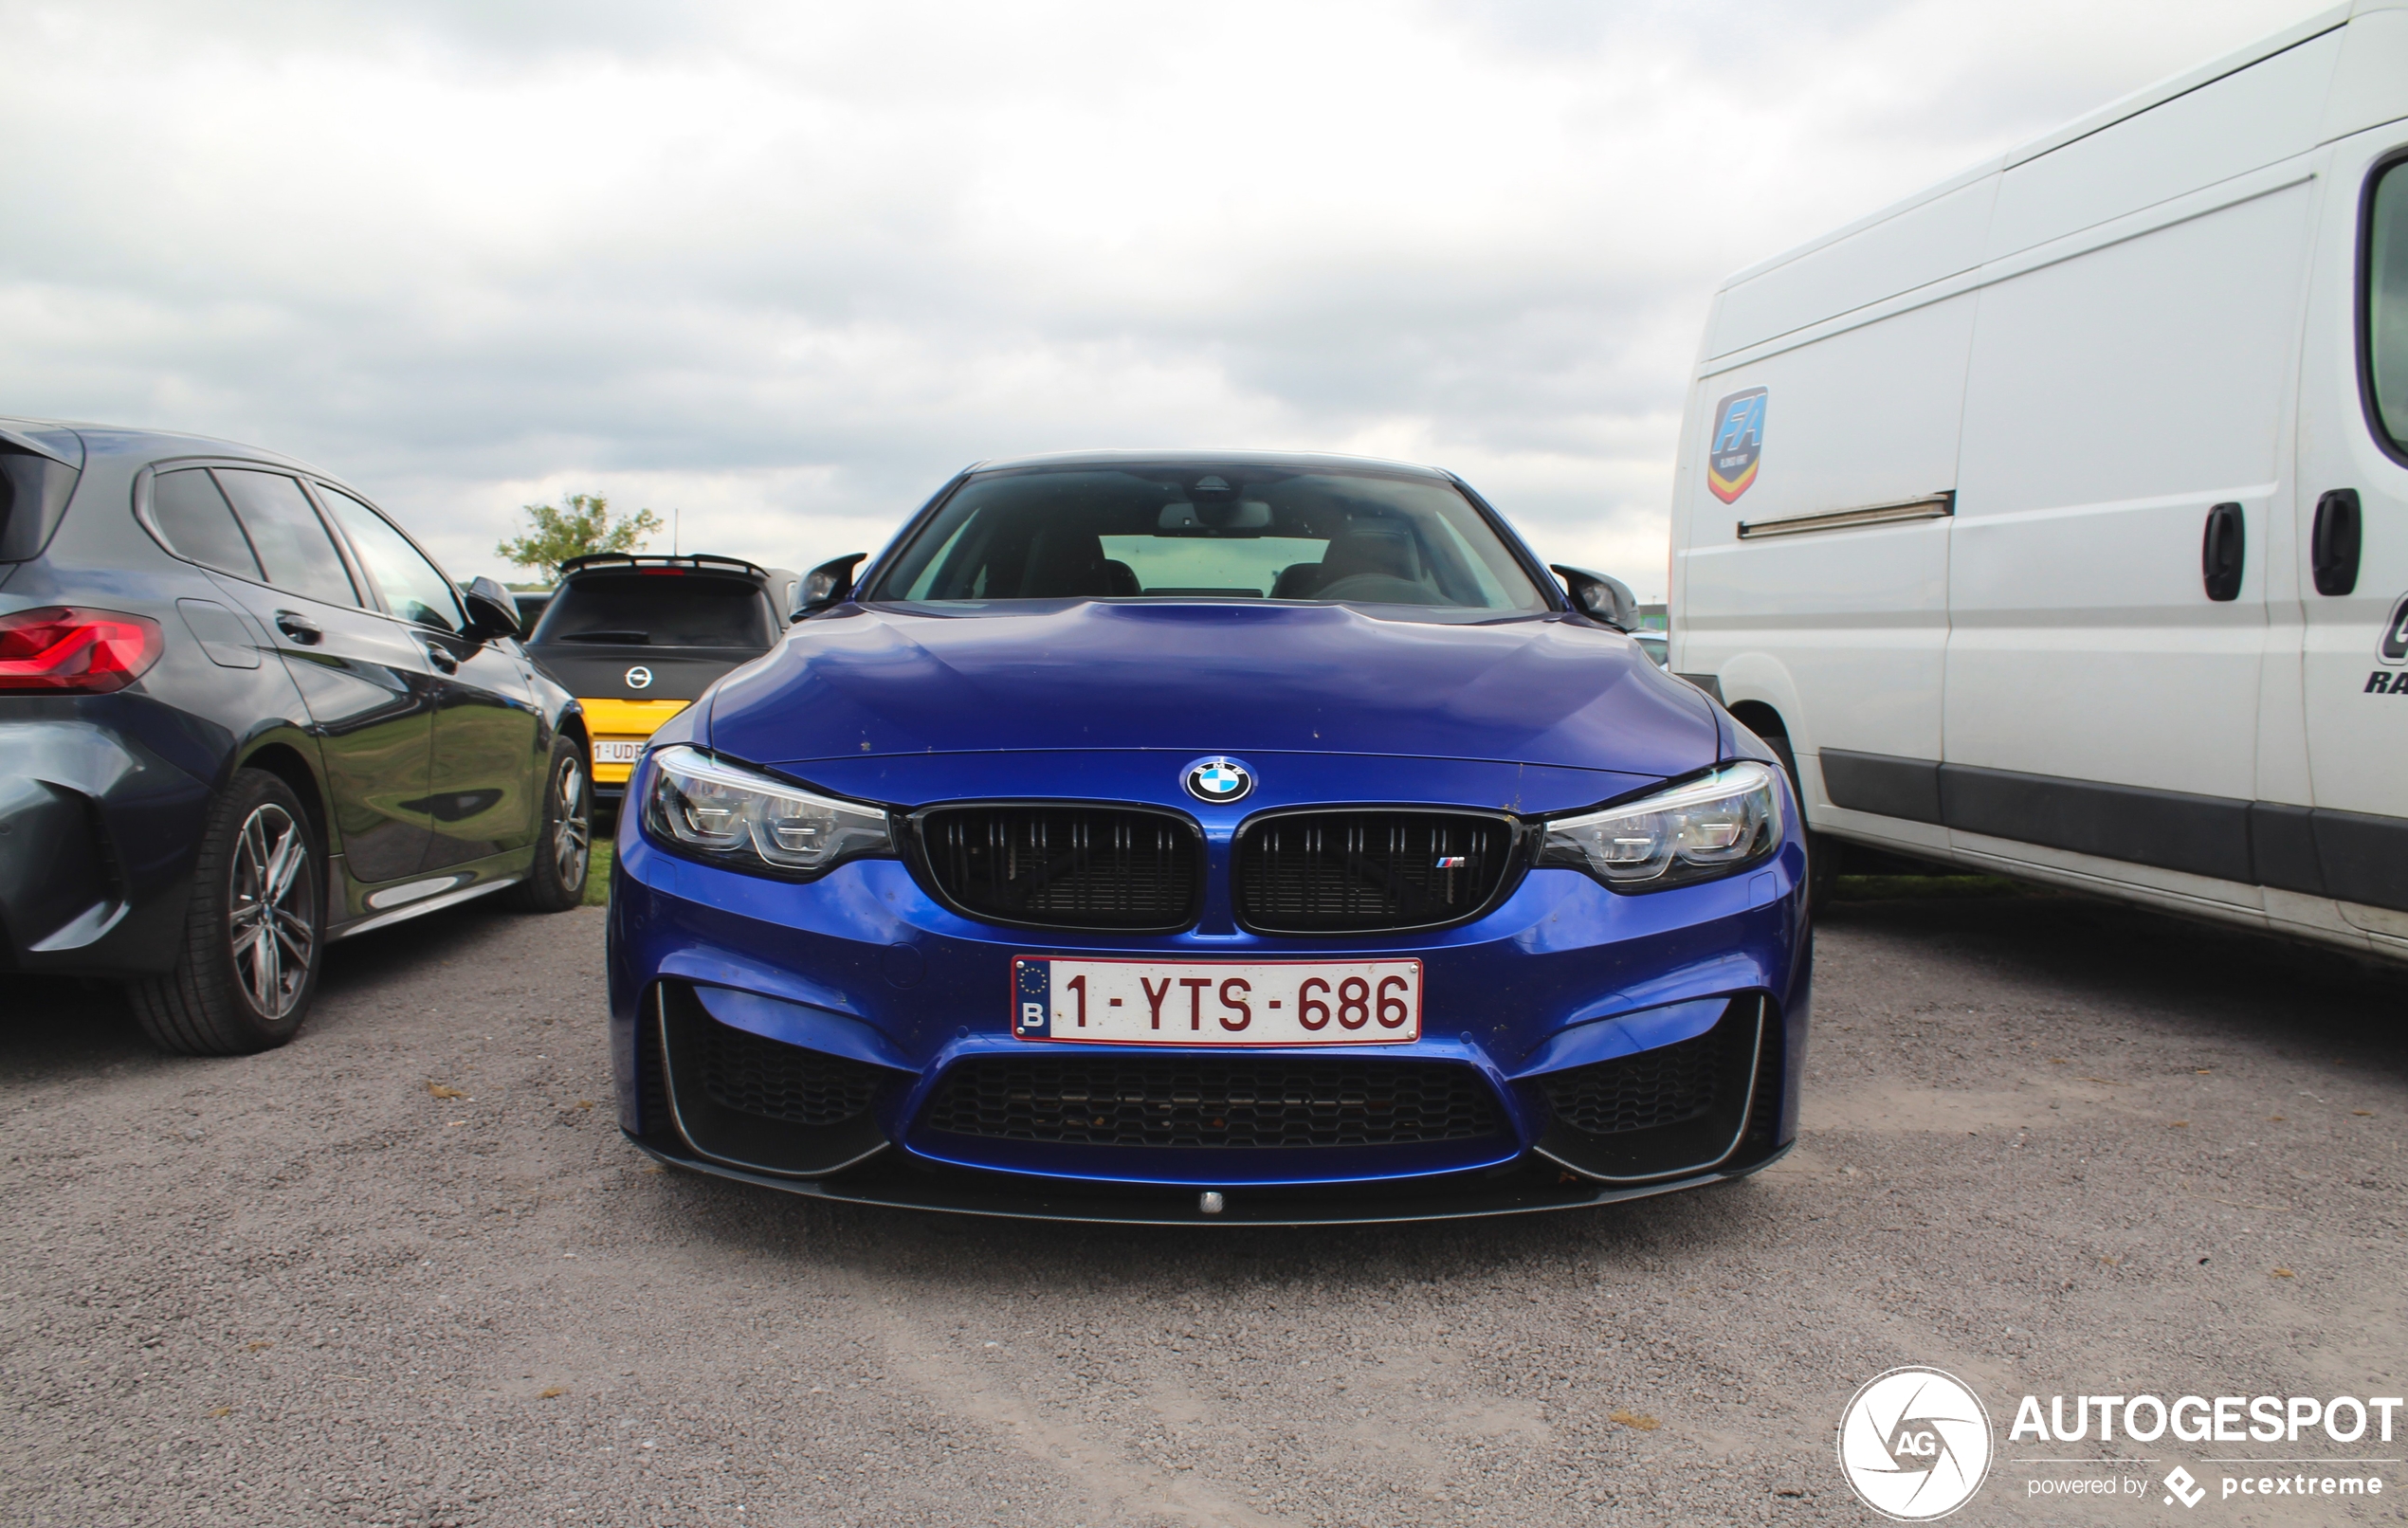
441	656
2333	542
2222	551
300	628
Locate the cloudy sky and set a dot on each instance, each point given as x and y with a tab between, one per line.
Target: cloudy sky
785	267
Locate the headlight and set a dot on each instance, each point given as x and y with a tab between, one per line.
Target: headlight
1712	825
721	814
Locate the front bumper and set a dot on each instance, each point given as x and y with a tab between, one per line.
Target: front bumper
868	995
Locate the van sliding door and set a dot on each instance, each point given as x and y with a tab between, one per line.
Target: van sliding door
1814	581
2124	488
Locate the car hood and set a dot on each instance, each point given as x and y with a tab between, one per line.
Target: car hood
1211	678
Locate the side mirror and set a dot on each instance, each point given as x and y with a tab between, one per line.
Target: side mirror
831	583
491	611
1606	601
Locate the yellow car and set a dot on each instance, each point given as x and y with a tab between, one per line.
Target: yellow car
636	639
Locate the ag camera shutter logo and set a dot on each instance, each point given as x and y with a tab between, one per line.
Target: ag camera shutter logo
1914	1444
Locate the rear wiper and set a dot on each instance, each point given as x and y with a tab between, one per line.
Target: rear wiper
604	636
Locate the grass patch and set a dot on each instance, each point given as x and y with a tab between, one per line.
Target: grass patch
1929	888
597	874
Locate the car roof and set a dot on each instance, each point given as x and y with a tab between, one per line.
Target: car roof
1298	459
154	443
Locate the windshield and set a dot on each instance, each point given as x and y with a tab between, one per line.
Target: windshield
1231	530
659	611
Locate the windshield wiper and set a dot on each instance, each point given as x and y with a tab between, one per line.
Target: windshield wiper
644	637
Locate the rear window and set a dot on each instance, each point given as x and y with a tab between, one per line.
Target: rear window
659	611
33	491
197	522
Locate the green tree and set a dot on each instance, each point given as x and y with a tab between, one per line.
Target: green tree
584	525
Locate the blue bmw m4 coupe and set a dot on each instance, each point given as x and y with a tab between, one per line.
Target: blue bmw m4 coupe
1209	838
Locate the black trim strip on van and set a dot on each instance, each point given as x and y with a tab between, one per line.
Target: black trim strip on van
1929	507
2351	856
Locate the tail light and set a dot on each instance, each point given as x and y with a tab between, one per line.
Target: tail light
62	650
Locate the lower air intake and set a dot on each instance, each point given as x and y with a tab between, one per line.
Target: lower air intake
1240	1102
750	1102
1677	1108
1667	1086
743	1072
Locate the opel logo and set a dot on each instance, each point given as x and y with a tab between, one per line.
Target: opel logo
1219	780
639	678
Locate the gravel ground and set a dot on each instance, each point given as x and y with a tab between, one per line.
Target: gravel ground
2050	1146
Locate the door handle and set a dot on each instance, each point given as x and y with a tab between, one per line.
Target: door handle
441	656
2222	551
2333	542
300	628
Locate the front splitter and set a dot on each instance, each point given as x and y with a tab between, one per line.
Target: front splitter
1011	1197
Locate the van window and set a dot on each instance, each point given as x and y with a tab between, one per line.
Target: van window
192	515
290	540
2387	302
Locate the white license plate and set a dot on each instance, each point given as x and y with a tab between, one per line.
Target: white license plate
1117	1002
611	752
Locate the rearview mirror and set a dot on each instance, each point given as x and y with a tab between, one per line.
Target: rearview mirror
491	611
831	583
1606	601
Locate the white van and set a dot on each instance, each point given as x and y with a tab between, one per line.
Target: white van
2055	521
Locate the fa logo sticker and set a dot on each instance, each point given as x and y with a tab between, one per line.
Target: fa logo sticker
1914	1444
1738	440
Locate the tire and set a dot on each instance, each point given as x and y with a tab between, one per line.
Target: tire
1822	852
555	882
254	934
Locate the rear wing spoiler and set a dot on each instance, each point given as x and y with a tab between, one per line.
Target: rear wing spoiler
692	561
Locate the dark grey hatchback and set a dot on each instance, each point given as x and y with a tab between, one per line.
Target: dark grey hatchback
242	715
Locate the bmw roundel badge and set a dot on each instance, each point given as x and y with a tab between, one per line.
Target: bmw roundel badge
1219	780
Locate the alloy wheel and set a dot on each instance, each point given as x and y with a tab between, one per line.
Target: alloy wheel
571	834
270	919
